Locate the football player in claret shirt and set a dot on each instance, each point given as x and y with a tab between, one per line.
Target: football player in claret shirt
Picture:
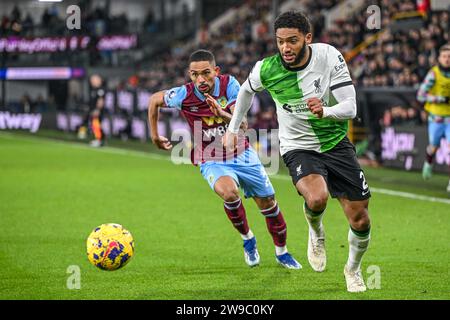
315	98
207	104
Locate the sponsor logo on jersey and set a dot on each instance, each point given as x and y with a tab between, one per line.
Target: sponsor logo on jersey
300	108
193	109
211	120
214	132
339	67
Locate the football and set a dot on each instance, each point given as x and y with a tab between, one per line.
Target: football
110	246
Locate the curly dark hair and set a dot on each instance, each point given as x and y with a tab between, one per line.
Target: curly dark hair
293	19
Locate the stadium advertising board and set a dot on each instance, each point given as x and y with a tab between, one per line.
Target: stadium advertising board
61	44
20	121
404	147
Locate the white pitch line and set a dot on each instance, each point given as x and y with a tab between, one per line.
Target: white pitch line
118	151
409	195
389	192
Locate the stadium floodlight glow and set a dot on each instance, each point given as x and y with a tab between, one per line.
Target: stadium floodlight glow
50	0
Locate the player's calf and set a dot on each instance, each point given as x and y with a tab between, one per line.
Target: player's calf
358	215
427	169
226	188
236	214
277	226
278	230
358	240
316	240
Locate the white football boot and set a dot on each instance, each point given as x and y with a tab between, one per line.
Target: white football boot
354	280
316	251
317	256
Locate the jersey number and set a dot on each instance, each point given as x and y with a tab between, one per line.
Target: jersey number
365	186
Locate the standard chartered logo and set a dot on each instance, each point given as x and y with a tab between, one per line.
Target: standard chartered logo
300	108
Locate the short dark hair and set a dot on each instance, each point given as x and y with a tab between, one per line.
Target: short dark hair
445	47
202	55
293	19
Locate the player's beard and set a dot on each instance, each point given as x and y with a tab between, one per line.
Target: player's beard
301	54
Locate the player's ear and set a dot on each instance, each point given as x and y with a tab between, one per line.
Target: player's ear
189	75
217	70
308	38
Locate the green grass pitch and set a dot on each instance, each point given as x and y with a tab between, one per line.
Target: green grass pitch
52	194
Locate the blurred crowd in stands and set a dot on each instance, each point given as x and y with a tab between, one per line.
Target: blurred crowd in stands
399	115
96	22
28	104
397	57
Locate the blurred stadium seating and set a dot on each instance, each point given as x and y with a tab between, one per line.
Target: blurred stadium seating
387	64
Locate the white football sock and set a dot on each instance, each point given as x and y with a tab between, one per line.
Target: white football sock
247	236
357	246
280	250
315	222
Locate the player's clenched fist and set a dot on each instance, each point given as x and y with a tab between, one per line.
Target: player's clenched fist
162	142
229	141
315	106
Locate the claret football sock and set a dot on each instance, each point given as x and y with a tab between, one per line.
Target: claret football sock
236	213
276	225
429	156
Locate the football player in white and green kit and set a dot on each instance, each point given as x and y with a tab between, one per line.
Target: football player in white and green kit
315	98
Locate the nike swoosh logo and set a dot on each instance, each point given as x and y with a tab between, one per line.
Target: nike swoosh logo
364	193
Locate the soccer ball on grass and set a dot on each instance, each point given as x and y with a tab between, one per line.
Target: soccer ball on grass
110	246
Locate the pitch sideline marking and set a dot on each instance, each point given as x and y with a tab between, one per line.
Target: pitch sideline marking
118	151
402	194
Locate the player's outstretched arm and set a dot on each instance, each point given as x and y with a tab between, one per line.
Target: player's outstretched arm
243	104
156	102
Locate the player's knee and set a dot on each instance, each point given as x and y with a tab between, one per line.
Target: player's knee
361	219
317	202
361	224
228	194
266	203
